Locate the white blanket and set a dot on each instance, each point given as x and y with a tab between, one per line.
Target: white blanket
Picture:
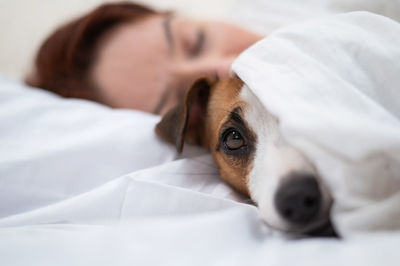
334	85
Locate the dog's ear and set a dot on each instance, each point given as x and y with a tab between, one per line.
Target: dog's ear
185	122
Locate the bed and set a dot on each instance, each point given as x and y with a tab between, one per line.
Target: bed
83	184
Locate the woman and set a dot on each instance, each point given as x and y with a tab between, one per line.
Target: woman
128	56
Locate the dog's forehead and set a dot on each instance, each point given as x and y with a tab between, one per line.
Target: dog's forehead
224	98
256	114
226	93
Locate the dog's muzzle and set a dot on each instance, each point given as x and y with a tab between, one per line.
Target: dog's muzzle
299	201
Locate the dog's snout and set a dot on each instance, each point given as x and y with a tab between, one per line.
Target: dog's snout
298	199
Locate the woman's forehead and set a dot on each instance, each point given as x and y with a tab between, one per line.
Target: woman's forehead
139	49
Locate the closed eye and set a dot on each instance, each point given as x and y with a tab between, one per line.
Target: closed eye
198	45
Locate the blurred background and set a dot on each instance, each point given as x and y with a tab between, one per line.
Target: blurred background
25	23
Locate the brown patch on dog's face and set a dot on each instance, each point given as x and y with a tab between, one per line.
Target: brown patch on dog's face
229	138
211	116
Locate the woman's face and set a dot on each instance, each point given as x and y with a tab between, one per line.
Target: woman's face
148	64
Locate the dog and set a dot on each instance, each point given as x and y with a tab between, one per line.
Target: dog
251	154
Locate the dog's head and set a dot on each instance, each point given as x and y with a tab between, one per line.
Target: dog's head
251	155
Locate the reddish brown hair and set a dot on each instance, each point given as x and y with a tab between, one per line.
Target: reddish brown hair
64	59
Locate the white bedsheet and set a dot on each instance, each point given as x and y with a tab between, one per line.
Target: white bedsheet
52	149
55	210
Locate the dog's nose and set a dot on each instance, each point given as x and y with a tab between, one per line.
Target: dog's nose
298	199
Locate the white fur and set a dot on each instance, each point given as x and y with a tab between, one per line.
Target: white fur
273	159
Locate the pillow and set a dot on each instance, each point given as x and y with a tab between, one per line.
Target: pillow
52	148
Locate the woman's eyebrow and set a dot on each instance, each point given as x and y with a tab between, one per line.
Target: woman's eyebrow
168	32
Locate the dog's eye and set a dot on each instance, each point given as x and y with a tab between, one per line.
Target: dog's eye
233	140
